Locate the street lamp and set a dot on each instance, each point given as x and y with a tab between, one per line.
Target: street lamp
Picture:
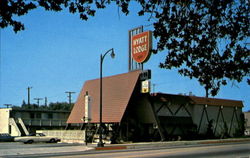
100	143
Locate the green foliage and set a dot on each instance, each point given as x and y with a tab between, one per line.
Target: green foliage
11	8
52	106
59	106
31	106
203	39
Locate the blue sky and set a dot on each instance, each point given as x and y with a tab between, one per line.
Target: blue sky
58	52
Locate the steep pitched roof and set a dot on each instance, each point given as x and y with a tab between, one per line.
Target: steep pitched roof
117	91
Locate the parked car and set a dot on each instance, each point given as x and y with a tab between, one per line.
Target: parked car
5	137
36	137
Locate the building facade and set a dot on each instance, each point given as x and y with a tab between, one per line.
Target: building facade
247	123
19	122
129	114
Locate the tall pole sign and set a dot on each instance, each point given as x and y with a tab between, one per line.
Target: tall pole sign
132	64
140	52
141	46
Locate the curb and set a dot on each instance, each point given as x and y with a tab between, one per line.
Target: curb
226	141
168	144
111	148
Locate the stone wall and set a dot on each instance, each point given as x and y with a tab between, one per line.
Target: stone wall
66	136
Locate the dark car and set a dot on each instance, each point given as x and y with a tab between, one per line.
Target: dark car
5	137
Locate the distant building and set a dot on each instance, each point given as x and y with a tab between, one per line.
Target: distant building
130	114
18	121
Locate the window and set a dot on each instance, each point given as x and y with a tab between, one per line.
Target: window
32	115
50	116
38	115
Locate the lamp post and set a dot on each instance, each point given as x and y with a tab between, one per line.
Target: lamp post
100	143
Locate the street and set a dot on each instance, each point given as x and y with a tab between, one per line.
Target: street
231	150
221	151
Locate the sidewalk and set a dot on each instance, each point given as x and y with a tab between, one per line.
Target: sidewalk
151	145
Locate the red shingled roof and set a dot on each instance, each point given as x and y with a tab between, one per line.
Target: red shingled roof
117	91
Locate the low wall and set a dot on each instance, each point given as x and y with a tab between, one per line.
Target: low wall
66	136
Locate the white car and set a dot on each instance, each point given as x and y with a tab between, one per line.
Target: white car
36	137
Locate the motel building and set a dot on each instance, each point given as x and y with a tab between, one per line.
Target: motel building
131	113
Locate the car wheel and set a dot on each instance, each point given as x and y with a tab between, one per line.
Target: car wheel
29	142
52	141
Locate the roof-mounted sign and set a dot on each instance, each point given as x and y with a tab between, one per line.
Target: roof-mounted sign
141	46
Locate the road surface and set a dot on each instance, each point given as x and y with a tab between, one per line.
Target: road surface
227	150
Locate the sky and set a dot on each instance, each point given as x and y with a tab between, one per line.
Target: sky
58	52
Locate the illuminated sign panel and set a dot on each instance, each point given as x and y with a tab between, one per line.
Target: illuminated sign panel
145	86
141	46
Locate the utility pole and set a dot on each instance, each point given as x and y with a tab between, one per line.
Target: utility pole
154	87
69	96
8	105
45	101
38	99
29	95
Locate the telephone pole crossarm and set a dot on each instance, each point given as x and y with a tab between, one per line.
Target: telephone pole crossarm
38	100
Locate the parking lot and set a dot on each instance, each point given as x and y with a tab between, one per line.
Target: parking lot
20	149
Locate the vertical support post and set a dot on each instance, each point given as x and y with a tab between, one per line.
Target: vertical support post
206	114
132	65
201	119
187	110
231	121
100	143
157	121
220	110
237	118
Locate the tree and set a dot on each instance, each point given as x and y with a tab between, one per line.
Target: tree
59	106
11	8
52	106
203	39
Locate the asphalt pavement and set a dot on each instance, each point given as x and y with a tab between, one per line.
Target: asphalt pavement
43	150
20	150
